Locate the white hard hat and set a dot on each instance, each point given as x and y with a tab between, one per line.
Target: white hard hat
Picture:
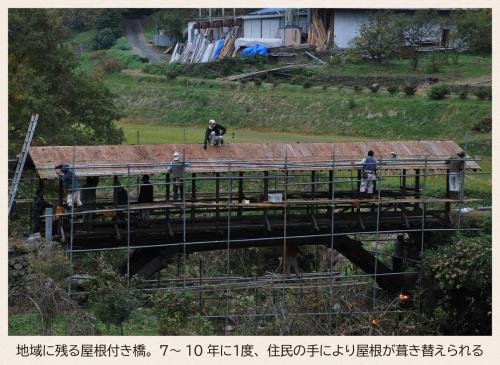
176	155
211	121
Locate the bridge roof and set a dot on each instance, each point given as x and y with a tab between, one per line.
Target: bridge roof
112	160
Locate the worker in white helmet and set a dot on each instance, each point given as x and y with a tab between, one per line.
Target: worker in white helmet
177	168
214	134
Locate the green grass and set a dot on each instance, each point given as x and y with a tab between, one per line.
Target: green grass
156	134
292	109
469	66
140	323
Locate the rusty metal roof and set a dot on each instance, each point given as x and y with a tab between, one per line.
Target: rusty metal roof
150	159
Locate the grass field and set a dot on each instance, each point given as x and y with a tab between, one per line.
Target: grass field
292	109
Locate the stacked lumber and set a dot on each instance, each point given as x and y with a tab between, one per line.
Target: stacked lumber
202	47
318	35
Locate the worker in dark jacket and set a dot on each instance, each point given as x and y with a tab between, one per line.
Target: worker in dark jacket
39	205
214	134
145	195
66	174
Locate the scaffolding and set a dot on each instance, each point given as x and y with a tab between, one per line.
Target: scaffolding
320	205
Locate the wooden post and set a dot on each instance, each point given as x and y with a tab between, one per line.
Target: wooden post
193	194
313	183
217	198
403	181
447	206
417	186
266	185
240	192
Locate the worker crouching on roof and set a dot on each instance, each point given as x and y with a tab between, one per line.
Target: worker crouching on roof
214	134
368	174
177	169
70	180
455	177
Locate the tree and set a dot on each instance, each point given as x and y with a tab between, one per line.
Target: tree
172	21
474	28
74	109
418	29
381	37
103	39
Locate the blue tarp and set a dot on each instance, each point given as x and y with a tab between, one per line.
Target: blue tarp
218	48
257	50
268	11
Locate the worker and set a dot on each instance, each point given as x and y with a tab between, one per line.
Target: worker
368	173
70	180
291	260
456	169
214	134
145	195
177	169
39	205
122	196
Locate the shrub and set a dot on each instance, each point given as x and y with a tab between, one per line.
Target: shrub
439	92
113	301
325	87
393	89
352	104
463	93
483	93
357	88
112	65
483	125
104	39
409	90
257	82
307	84
374	88
172	310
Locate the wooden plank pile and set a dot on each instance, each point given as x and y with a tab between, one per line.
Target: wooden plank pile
202	47
263	72
319	35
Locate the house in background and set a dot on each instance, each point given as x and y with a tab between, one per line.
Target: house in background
334	27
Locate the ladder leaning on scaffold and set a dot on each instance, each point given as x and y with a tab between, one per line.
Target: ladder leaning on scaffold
22	159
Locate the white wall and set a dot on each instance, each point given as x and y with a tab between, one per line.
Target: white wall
345	26
261	28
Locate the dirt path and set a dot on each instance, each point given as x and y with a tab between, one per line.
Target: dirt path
136	39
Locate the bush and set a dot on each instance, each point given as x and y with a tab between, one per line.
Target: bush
112	65
439	92
458	298
357	88
104	39
483	125
257	81
307	84
463	93
483	93
393	89
172	310
409	90
352	104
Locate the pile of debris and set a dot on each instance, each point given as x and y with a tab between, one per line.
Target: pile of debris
320	33
201	49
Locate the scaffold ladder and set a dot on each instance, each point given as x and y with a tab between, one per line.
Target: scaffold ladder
22	159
